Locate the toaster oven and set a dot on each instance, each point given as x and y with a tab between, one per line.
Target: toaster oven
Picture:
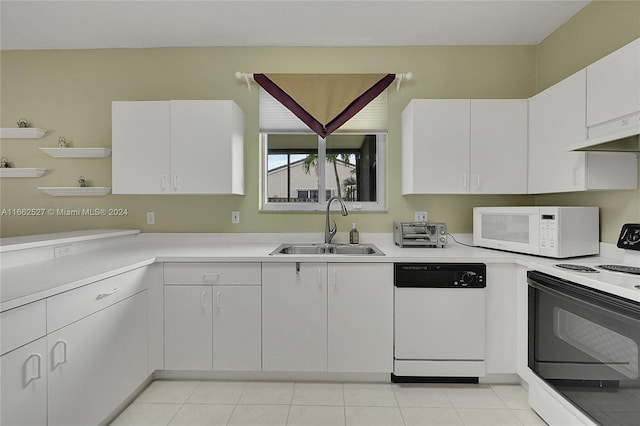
419	234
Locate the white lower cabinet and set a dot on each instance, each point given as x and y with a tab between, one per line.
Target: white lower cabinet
294	316
23	374
237	332
320	317
501	319
215	324
94	364
360	318
188	327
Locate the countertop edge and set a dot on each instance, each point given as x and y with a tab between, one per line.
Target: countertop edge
138	255
44	240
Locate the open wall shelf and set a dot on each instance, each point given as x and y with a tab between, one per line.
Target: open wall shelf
75	191
77	152
21	172
21	133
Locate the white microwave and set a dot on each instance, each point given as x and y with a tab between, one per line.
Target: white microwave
544	231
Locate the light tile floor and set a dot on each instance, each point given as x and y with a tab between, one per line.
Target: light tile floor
332	404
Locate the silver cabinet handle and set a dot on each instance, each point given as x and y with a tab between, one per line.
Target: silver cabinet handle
465	181
28	379
219	300
211	277
175	182
203	301
335	279
163	183
53	353
108	293
477	181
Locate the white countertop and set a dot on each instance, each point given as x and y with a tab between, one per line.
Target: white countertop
42	240
34	281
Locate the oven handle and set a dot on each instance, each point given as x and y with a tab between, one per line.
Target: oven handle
582	294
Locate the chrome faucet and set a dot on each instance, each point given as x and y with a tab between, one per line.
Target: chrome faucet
329	231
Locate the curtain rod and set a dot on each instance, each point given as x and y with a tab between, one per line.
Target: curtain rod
248	78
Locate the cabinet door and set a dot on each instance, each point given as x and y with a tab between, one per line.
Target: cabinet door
96	363
501	313
188	327
360	317
499	146
206	146
556	120
140	147
23	374
294	317
237	331
435	143
613	85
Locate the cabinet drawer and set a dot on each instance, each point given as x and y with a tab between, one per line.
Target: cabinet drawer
22	325
73	305
212	273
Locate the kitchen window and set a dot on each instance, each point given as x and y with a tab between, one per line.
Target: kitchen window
298	165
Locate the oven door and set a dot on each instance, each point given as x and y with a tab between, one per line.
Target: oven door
585	344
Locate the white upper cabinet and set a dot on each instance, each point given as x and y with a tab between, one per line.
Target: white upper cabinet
556	119
178	147
461	146
141	149
613	85
435	146
498	146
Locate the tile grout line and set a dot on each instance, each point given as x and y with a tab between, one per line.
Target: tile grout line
344	404
293	391
235	407
395	396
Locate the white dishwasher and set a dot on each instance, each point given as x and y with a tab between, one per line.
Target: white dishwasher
439	322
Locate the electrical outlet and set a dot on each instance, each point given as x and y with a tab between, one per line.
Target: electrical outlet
420	216
235	217
151	218
61	251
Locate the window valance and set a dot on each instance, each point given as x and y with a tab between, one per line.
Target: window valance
324	102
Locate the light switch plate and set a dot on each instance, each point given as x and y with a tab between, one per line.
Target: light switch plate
151	218
235	217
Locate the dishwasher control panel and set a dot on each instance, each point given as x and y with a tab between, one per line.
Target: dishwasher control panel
440	275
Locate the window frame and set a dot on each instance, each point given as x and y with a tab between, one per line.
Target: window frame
372	206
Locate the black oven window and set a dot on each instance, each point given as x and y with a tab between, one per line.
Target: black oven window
584	344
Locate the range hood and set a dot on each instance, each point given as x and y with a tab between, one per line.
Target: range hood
620	135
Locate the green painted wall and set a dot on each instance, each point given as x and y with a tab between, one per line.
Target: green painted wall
69	93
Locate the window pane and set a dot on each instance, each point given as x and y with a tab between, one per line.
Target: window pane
351	167
292	168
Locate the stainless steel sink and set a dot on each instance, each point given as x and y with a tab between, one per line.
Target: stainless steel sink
360	250
299	249
344	249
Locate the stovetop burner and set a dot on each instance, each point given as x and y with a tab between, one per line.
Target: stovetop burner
621	268
577	268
